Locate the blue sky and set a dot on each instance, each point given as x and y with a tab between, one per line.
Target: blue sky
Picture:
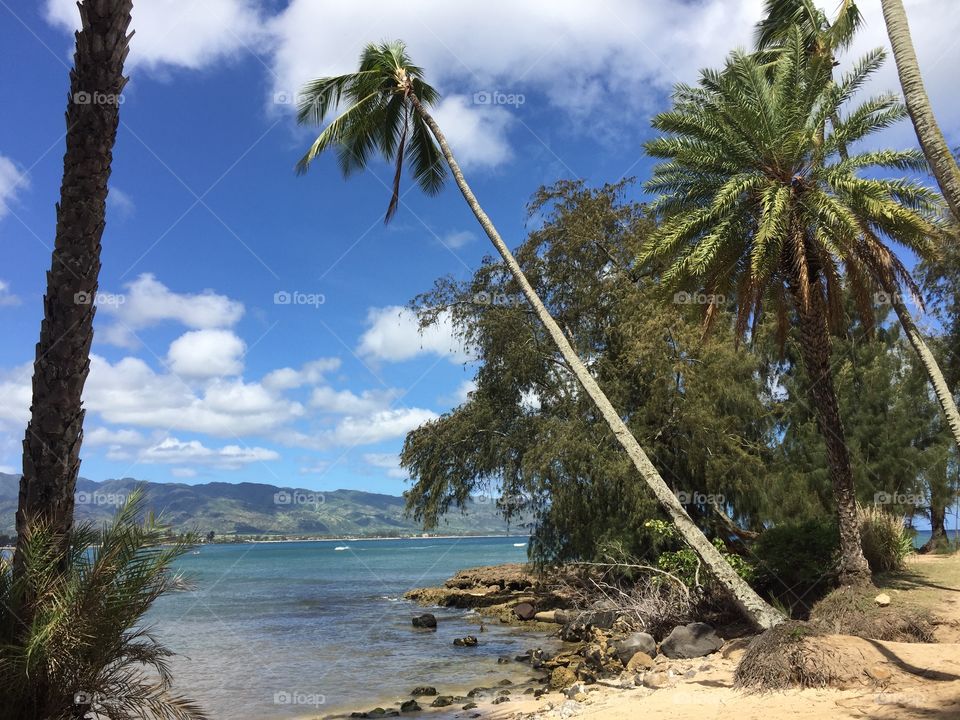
201	372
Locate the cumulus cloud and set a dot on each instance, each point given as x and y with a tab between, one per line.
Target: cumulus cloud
229	457
477	134
11	180
176	34
358	430
457	239
7	298
394	335
15	396
346	402
146	302
207	354
386	461
113	438
311	373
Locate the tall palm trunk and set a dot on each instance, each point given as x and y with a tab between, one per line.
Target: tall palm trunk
751	604
918	105
815	350
51	448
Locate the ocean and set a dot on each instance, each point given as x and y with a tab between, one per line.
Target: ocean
312	629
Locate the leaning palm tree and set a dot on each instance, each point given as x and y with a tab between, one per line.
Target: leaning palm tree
823	40
387	112
757	205
51	449
86	651
935	147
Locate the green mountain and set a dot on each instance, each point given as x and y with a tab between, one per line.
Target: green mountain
257	509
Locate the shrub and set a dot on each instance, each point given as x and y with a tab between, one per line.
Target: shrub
796	563
86	652
886	541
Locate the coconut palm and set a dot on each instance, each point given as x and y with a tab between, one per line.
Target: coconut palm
86	649
757	205
823	40
51	448
935	147
386	112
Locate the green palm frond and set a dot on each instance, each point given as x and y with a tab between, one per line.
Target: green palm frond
86	648
378	118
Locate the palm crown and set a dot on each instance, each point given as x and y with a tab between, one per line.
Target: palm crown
755	199
383	101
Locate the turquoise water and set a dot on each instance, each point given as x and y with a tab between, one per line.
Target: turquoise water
281	630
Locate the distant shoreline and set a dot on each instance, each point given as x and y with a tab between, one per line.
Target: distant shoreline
359	539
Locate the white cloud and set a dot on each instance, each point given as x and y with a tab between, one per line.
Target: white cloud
394	334
229	457
355	431
477	134
7	298
146	302
386	461
346	402
183	472
457	239
120	203
460	395
207	354
15	397
310	374
113	438
11	179
172	33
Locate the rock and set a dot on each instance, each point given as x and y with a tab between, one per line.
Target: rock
639	661
882	600
656	680
574	632
691	641
603	619
423	691
524	611
879	673
442	701
410	706
468	641
633	643
561	678
628	682
503	660
574	690
505	682
376	713
547	616
469	706
503	692
477	691
427	620
501	699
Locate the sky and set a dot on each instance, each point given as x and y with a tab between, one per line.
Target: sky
251	324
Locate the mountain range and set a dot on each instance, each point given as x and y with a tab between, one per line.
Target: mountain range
260	509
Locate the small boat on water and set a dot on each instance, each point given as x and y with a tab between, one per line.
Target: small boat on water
342	547
519	544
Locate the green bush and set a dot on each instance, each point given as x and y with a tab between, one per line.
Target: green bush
795	563
886	541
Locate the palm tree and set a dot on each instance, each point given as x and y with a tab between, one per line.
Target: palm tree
86	649
935	147
823	40
757	205
387	103
51	447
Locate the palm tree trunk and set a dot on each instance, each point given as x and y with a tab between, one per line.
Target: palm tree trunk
751	604
815	350
937	380
934	145
54	434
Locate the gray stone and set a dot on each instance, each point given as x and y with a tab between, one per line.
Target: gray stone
634	643
427	620
691	641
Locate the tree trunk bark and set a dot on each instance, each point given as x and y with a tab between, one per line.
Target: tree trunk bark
935	147
815	350
938	528
937	380
752	605
51	448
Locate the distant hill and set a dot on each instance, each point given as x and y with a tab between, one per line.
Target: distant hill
258	509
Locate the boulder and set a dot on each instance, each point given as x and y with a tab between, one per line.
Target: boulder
423	691
501	699
574	632
547	616
603	619
442	701
639	661
410	706
691	641
524	611
562	677
656	680
468	641
469	706
634	643
427	621
882	600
